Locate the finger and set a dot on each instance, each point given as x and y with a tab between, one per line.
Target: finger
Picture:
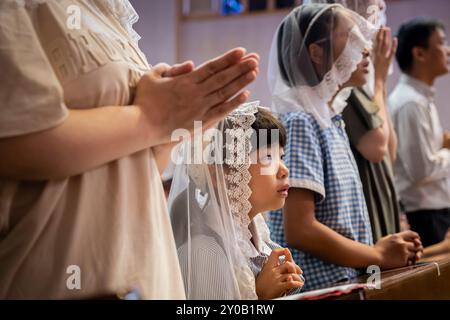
251	56
409	235
220	63
286	267
291	277
411	252
411	255
378	42
219	112
394	48
419	247
383	43
228	91
288	285
288	255
224	77
387	41
298	269
179	69
273	260
411	247
419	255
418	243
160	69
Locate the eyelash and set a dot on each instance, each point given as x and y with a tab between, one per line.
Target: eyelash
270	157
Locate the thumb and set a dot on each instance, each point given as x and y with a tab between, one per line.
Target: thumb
273	260
179	69
160	69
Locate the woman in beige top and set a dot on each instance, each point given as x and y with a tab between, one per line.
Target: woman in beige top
82	209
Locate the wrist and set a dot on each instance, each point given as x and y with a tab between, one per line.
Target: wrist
379	85
145	129
377	257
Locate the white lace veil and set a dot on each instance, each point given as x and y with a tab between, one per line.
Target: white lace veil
209	206
373	11
300	82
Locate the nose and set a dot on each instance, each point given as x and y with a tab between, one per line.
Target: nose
283	171
365	53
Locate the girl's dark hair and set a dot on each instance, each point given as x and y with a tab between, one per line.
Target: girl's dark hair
300	55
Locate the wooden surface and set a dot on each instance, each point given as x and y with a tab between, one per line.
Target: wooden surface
429	280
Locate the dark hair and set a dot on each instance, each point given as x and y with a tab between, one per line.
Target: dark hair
260	137
414	33
265	120
322	29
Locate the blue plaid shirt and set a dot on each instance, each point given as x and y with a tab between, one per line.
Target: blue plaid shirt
321	160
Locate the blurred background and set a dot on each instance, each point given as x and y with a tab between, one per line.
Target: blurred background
178	30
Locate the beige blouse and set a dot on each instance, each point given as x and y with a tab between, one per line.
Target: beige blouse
111	222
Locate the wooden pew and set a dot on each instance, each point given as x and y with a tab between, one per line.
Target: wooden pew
430	279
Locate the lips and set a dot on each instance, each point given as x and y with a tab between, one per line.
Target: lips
365	65
283	191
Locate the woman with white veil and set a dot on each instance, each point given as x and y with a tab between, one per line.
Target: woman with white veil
318	53
217	193
369	127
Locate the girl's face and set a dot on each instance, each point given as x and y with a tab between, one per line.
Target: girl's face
359	76
339	38
341	32
269	182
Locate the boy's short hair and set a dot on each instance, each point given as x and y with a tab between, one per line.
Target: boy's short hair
266	120
262	132
414	33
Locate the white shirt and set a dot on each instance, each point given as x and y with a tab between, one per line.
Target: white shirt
422	169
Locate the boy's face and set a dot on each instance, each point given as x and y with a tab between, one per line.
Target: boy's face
269	182
437	55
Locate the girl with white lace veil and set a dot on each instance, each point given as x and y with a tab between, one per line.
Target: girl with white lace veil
219	190
311	61
369	127
374	11
320	51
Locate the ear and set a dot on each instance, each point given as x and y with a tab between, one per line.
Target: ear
316	54
418	54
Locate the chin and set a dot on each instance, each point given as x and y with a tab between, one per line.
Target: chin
278	204
442	68
361	78
358	79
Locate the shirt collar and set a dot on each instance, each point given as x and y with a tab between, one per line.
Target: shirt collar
420	86
258	241
255	236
